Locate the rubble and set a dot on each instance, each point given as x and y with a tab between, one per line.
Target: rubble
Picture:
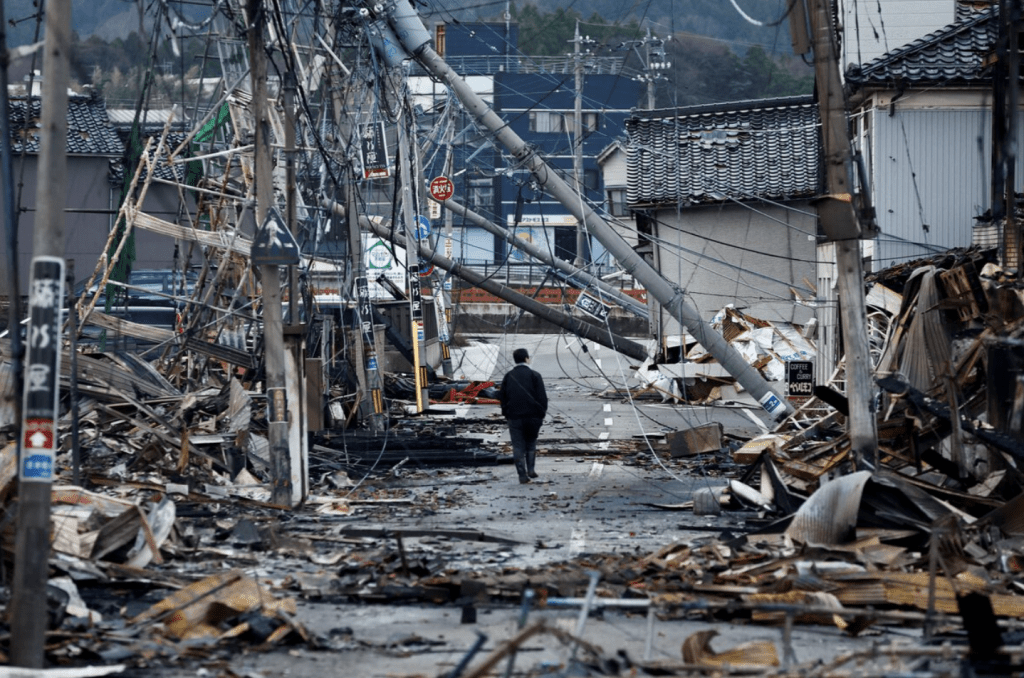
160	549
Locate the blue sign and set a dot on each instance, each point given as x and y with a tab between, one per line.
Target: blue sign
37	466
421	230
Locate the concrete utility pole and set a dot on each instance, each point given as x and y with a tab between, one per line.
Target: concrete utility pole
579	327
1005	99
10	224
295	333
842	225
273	325
577	277
412	261
37	442
577	143
416	41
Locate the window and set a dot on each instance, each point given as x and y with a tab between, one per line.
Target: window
590	179
547	121
589	120
439	39
481	195
617	202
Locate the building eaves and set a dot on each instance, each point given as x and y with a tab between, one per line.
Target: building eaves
708	155
957	55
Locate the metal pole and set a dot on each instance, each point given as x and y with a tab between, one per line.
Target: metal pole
842	225
670	296
273	326
38	435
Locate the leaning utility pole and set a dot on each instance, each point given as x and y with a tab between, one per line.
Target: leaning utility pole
273	325
576	277
838	212
415	39
38	441
552	314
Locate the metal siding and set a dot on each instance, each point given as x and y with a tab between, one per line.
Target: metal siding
940	156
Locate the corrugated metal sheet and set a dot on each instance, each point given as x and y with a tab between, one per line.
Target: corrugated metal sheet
929	167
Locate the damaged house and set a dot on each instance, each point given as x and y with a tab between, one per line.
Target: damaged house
95	173
940	86
723	197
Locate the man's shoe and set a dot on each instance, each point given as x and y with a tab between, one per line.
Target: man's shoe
523	480
533	474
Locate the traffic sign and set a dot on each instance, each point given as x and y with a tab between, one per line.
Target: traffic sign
421	230
274	243
590	305
441	189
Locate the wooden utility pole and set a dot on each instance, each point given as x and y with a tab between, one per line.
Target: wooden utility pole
839	217
37	442
273	328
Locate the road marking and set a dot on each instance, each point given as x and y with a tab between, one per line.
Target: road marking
609	421
595	471
604	435
578	540
607	407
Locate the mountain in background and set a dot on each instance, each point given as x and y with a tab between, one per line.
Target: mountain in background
718	19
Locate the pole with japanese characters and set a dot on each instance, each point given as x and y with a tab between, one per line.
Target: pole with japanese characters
38	440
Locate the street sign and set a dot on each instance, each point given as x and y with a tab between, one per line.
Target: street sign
800	378
421	228
365	309
42	372
590	305
415	298
373	151
274	243
441	189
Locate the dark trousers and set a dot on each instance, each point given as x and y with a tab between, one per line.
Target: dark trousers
523	433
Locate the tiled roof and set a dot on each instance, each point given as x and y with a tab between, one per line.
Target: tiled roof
89	130
956	55
705	155
164	170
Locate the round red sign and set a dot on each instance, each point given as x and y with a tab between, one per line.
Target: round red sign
441	189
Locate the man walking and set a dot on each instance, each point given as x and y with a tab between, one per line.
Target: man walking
524	404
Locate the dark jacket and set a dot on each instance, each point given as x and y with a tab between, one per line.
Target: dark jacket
522	394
